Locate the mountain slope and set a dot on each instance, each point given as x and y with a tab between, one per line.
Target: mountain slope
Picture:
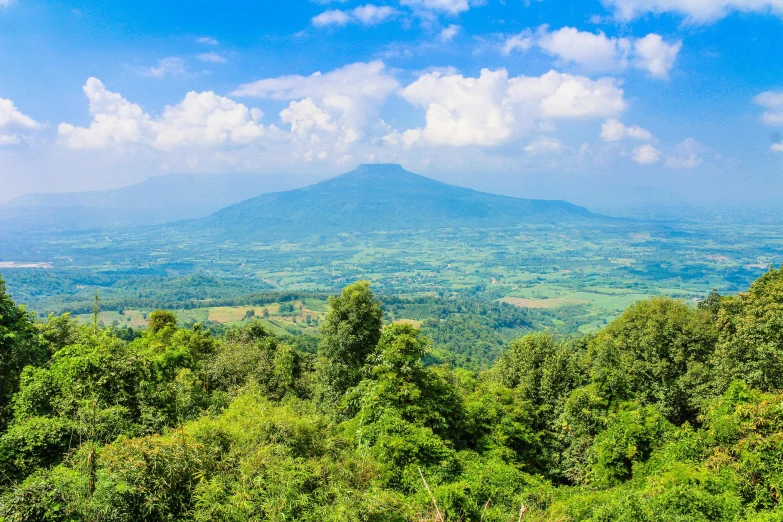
157	199
379	197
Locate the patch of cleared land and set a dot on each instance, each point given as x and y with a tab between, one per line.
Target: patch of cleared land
414	323
553	302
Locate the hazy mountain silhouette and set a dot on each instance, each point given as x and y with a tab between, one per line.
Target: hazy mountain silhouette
377	198
158	199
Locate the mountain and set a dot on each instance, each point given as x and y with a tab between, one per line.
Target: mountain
158	199
376	198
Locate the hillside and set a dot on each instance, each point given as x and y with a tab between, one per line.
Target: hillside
376	198
157	199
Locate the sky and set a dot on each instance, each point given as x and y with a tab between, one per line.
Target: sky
604	103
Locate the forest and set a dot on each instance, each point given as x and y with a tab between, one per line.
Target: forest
671	412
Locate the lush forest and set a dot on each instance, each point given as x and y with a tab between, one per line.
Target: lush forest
670	412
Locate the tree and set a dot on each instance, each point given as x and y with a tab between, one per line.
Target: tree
160	319
657	351
544	371
350	332
19	347
750	325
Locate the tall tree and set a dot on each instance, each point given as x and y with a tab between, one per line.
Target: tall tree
350	332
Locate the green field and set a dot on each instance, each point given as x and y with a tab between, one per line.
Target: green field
595	270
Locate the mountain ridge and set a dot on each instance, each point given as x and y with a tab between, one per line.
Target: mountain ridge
155	200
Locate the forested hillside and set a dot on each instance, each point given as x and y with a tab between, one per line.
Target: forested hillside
670	412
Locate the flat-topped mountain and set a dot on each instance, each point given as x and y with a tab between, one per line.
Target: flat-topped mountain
379	198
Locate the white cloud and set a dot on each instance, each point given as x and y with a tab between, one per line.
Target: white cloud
654	55
594	51
448	33
695	11
331	17
365	14
351	96
166	67
206	40
598	52
201	119
449	6
10	117
646	154
614	130
777	147
373	14
6	3
212	57
544	145
687	155
772	101
522	41
9	139
349	92
305	116
12	121
493	108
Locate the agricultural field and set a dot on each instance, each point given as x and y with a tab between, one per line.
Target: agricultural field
292	317
587	273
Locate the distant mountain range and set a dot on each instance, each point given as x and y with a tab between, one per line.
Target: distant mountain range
158	199
380	197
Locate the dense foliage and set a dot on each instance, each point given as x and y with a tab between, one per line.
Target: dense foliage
671	412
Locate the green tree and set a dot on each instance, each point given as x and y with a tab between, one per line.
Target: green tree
750	347
349	334
160	319
544	371
19	347
658	351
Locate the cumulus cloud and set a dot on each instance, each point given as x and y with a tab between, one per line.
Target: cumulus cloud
687	155
449	6
654	55
201	119
166	67
331	17
365	14
594	51
373	14
351	95
598	52
614	130
206	40
518	42
695	12
13	122
492	108
646	154
11	117
772	101
448	33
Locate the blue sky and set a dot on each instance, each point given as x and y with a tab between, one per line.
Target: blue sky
617	103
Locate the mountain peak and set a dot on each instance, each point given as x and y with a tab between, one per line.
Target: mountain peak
379	168
381	197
